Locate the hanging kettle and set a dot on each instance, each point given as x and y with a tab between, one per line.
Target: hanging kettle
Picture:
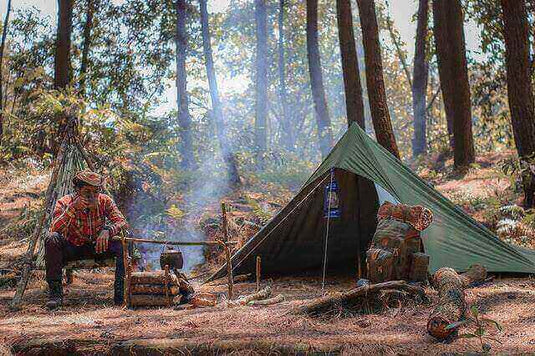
172	258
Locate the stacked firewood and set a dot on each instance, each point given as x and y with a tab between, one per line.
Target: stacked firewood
153	289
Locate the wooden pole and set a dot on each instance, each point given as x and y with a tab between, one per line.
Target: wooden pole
47	209
166	285
168	242
128	282
124	245
258	271
224	221
229	269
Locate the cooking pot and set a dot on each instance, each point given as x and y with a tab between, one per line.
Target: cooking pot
173	258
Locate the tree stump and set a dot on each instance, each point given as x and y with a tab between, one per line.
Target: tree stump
451	306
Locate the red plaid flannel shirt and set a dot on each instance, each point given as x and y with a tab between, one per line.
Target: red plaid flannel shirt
79	227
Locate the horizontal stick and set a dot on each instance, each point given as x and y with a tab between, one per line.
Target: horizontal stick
183	243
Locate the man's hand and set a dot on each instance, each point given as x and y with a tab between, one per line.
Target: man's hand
80	203
102	241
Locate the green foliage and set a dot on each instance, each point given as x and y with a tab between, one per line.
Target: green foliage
480	330
24	225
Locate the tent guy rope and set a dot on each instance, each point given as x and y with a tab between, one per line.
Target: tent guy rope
327	233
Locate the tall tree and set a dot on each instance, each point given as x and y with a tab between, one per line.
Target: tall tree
228	156
350	65
374	77
288	135
62	64
183	115
2	48
453	72
92	5
261	99
316	78
419	84
519	87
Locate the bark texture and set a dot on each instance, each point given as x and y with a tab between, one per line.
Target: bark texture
519	87
316	79
374	77
154	289
151	300
452	305
92	5
350	65
2	48
217	110
286	124
183	115
62	63
261	101
157	277
452	66
419	83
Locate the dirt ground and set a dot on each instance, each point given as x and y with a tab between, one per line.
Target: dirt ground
90	324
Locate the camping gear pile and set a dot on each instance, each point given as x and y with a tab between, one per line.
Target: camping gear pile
397	249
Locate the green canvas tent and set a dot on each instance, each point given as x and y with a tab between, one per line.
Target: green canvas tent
367	174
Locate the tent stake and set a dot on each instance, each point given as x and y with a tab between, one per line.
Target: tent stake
258	270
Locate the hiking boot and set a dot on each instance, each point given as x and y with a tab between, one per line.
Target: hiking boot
55	295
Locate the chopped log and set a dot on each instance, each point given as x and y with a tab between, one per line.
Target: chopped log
475	274
156	277
200	301
269	301
154	289
451	305
243	300
357	296
151	300
261	294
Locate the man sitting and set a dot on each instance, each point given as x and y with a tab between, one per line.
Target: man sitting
82	226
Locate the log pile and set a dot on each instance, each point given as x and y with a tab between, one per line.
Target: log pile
369	297
153	289
451	306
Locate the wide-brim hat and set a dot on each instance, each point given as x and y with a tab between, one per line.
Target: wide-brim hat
89	177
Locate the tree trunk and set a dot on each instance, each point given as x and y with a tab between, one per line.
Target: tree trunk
316	79
62	64
288	134
2	47
374	77
228	156
261	78
519	87
452	305
183	115
419	84
453	71
91	8
350	65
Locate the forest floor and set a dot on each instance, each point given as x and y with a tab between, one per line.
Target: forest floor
90	324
